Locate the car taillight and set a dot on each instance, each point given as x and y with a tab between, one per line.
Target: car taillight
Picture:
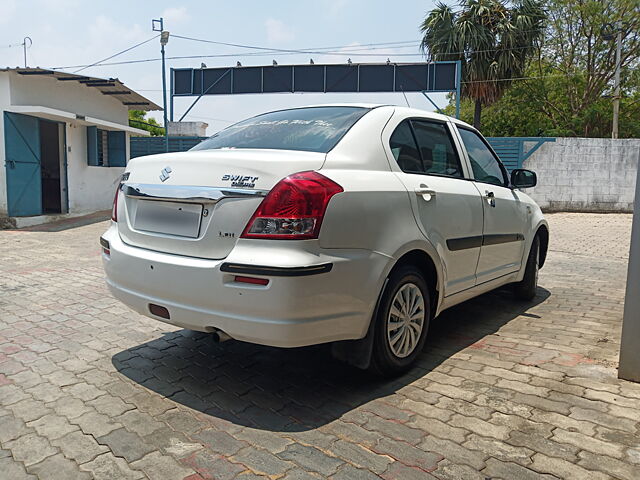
293	209
114	209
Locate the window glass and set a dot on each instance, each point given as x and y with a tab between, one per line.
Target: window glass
439	157
313	129
103	148
485	166
404	149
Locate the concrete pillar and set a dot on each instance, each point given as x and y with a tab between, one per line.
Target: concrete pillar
629	368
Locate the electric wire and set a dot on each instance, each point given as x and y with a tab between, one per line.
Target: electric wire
354	52
266	51
305	50
281	51
115	54
272	49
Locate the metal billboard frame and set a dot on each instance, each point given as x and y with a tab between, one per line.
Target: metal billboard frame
227	74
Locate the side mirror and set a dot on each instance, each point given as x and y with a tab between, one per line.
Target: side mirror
522	178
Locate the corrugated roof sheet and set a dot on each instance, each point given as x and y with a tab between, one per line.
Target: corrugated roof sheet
108	86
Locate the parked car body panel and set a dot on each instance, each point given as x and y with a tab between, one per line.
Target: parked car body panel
376	220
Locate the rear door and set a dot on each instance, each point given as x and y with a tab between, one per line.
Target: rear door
447	207
504	213
22	163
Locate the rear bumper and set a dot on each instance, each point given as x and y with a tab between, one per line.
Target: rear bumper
315	297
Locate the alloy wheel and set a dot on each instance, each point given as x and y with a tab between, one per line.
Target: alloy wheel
405	320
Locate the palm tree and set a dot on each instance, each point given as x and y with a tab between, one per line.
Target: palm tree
492	38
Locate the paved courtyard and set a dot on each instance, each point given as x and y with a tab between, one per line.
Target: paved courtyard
504	389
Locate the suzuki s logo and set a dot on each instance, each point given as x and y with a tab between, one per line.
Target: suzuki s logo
164	174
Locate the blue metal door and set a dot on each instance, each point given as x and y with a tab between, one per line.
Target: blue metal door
22	162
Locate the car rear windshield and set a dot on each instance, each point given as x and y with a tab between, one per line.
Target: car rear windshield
313	129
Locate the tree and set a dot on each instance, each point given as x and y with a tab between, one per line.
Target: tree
492	41
520	112
576	63
568	86
138	119
511	116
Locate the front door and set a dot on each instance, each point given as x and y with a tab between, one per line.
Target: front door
50	166
447	207
504	213
22	163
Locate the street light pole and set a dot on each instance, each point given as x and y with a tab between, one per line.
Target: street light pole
164	39
157	25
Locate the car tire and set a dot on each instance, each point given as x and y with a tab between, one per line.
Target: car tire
399	330
527	288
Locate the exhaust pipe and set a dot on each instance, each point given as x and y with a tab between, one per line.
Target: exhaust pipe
219	336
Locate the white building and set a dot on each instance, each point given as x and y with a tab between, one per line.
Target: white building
64	142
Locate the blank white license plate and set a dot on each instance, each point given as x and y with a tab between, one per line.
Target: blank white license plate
171	218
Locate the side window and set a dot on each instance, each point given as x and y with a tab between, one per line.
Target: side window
486	167
106	148
439	156
404	149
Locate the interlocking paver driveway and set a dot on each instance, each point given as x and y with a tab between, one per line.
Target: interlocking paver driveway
504	389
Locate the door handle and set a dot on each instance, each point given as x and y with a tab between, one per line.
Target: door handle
426	192
491	198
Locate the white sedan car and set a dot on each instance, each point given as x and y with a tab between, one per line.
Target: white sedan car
353	224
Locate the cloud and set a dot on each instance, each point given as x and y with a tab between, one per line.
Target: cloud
60	5
278	32
351	51
7	9
336	7
175	15
102	37
106	34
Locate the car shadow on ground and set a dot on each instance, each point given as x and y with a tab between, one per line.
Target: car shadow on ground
297	389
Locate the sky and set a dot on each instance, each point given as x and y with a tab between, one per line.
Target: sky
75	33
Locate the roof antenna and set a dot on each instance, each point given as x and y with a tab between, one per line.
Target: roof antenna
405	96
24	47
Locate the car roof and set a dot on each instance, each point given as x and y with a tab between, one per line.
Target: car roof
406	111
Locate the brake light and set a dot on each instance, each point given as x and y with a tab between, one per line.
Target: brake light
114	209
293	209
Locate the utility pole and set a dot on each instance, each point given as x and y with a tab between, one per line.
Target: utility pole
158	26
616	95
24	48
609	32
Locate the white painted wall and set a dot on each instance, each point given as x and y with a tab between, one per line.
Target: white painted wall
585	174
5	99
89	188
70	96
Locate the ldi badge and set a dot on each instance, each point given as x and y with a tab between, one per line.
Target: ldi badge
240	181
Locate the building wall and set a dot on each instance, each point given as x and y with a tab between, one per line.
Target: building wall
69	96
91	188
585	174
